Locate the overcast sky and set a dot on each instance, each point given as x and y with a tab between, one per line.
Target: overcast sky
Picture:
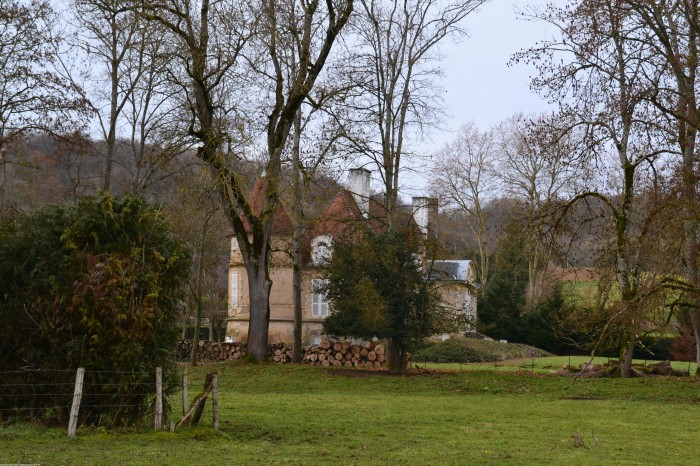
479	85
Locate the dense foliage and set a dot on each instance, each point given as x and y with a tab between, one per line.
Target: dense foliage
377	289
96	284
503	314
469	350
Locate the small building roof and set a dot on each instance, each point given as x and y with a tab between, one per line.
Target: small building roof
452	270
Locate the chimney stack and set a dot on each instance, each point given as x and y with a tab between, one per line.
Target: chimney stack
425	211
358	179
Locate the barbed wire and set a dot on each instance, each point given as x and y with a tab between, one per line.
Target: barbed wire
58	379
34	384
36	371
116	406
42	408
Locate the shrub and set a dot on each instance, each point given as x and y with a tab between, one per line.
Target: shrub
469	350
96	284
452	350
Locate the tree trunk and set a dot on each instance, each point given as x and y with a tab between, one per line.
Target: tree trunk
690	225
695	319
397	357
626	359
296	283
298	220
195	337
259	289
113	104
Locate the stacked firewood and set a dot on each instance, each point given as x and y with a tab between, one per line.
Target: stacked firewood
329	353
210	350
280	352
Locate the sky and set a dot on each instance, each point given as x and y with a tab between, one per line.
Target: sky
479	85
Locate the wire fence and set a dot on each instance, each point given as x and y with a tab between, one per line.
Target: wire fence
48	395
76	397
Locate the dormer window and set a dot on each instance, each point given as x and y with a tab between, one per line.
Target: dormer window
321	249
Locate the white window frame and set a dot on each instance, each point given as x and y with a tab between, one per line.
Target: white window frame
234	244
233	290
321	249
319	301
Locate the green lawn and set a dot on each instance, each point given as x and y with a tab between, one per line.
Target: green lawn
272	414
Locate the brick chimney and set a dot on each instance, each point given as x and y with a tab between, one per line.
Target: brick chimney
425	211
358	179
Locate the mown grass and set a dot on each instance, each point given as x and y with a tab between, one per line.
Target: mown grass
273	414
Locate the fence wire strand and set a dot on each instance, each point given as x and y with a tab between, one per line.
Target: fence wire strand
90	385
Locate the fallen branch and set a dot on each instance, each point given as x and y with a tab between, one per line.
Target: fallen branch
194	414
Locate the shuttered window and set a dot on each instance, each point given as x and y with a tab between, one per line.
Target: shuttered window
233	290
319	303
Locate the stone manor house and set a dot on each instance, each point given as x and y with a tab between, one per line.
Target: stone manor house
347	210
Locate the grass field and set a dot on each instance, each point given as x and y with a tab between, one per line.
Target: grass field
548	365
272	414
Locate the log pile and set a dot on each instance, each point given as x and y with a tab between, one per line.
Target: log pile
369	355
280	352
210	350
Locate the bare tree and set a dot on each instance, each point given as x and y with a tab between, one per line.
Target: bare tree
465	177
397	44
129	88
107	31
196	215
211	38
674	34
33	95
596	70
537	167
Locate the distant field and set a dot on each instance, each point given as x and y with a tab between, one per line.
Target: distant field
546	365
580	292
272	414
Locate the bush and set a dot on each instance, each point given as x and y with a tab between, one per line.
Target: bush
96	284
469	350
451	350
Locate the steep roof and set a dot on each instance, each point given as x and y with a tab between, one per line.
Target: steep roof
453	270
281	224
342	219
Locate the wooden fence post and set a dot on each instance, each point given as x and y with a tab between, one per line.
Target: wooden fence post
185	396
159	399
77	395
215	401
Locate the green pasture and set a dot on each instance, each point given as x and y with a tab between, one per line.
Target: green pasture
581	292
273	414
542	365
